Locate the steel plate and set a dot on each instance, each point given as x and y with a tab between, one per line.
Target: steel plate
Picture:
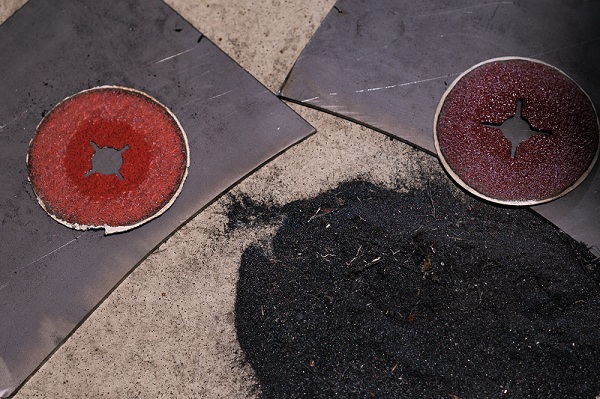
387	63
51	276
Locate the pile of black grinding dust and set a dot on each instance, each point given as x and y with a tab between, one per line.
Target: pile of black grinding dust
370	292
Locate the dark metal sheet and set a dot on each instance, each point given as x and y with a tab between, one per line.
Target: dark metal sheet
51	277
387	63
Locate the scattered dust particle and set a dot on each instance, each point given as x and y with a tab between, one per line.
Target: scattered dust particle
426	265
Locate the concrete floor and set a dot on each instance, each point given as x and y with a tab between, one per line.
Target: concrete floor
168	329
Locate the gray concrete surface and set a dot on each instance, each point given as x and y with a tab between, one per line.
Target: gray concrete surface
168	329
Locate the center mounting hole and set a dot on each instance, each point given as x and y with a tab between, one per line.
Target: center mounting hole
516	128
107	160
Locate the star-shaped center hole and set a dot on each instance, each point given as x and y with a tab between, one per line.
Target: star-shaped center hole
517	128
107	161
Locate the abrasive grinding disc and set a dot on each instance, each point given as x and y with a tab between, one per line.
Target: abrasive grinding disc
108	157
516	131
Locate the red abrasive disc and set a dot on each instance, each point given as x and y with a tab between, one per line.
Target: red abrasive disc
563	125
144	141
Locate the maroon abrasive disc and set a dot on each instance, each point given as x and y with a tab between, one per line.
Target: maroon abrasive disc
109	157
554	131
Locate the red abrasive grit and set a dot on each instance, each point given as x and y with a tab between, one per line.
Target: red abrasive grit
154	165
478	156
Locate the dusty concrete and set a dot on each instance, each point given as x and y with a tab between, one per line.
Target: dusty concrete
168	329
8	7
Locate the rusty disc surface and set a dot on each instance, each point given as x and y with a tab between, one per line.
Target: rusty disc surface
556	153
109	157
